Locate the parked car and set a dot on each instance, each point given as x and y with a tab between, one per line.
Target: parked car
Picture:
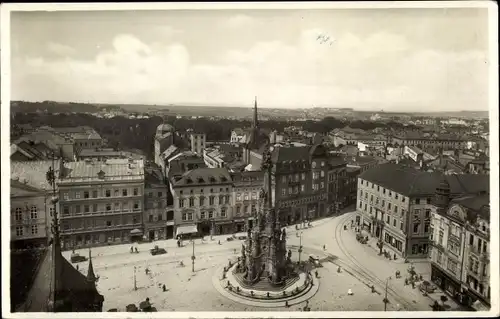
427	287
242	237
76	258
158	251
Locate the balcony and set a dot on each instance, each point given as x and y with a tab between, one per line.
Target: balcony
101	213
98	228
114	198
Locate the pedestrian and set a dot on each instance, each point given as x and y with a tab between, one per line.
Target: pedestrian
349	292
412	284
77	268
324	247
164	288
219	241
406	281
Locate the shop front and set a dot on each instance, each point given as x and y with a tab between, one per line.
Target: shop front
444	281
395	241
186	231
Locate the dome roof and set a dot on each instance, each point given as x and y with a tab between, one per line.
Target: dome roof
164	128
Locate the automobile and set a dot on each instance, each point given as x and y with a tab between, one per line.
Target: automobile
230	239
76	258
314	260
242	237
158	251
427	287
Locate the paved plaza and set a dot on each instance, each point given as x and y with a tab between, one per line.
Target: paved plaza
188	291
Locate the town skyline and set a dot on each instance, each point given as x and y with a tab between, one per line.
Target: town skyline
373	59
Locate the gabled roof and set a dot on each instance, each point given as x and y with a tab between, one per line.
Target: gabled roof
204	176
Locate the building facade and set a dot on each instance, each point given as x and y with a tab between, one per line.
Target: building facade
164	138
198	142
245	199
158	211
337	190
101	202
202	202
299	182
460	255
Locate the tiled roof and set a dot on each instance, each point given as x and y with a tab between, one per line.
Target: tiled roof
409	181
204	176
281	154
44	136
360	160
70	284
113	169
169	151
33	173
248	177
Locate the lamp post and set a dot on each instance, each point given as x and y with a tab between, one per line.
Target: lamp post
300	244
386	301
192	259
135	280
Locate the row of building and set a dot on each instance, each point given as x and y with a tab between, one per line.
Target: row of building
419	214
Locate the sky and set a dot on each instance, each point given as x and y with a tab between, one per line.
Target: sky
375	59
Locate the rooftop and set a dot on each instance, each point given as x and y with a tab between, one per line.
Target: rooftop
410	181
204	176
33	173
111	169
477	205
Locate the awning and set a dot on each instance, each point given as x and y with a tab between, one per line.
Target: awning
136	232
186	229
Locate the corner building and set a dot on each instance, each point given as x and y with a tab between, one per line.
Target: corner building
101	202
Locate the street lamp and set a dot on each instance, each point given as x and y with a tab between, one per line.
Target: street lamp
300	244
135	281
386	301
192	259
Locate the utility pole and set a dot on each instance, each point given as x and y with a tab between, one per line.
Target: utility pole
300	245
193	257
386	301
135	280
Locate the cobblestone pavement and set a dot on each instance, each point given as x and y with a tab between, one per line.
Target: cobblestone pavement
189	291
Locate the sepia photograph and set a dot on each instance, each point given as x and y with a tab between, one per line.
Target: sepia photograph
250	159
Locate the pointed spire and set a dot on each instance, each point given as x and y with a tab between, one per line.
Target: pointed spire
255	118
90	273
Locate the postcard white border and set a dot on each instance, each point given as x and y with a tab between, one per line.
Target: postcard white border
5	147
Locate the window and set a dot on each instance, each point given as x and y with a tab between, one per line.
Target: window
315	187
395	209
378	188
428	200
19	214
303	176
160	194
124	192
34	229
150	218
452	265
108	207
322	173
371	199
439	257
19	231
34	213
394	222
223	212
238	196
397	195
136	205
51	211
117	206
485	247
150	194
360	204
366	195
388	205
403	199
86	208
94	194
86	194
191	202
94	207
221	199
426	227
202	215
238	210
315	175
427	213
116	192
388	219
211	200
322	163
184	216
322	185
65	196
371	208
181	203
283	179
136	191
414	249
202	201
417	201
108	223
210	215
190	216
441	234
302	188
415	228
227	199
65	210
383	203
108	193
160	216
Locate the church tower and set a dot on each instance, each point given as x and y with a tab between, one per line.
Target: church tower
255	122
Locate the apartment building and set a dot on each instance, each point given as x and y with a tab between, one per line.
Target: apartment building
30	205
299	184
460	254
202	202
101	202
158	209
337	182
245	199
395	203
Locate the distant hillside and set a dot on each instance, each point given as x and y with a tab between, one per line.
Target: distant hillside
58	107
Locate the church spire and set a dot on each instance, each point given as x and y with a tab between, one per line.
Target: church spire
90	273
255	123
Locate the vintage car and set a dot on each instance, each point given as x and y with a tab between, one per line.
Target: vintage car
427	287
76	258
157	251
314	260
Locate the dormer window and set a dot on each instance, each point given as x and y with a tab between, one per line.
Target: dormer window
101	174
201	180
212	179
189	181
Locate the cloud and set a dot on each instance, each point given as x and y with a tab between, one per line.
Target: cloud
380	70
240	21
60	49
